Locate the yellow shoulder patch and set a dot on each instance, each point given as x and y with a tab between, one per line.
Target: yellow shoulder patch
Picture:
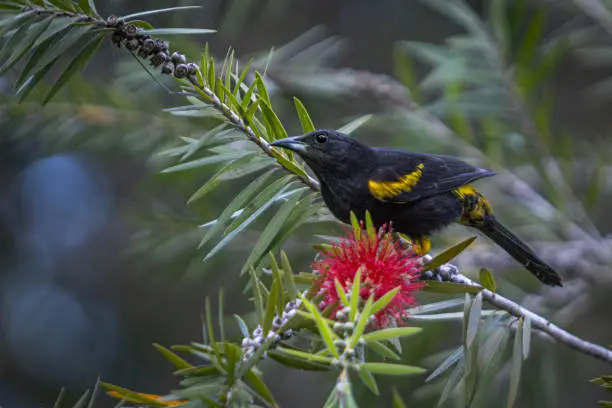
464	191
387	189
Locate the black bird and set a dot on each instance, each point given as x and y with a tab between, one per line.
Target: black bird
419	193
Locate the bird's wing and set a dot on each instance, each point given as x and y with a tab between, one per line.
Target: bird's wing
404	177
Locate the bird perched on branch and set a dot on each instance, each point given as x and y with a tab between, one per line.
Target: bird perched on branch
419	193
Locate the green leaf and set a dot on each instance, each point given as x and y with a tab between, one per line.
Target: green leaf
278	130
355	294
177	31
383	350
85	6
455	315
241	199
210	329
27	87
386	334
62	45
25	44
354	124
178	362
364	318
289	278
299	363
233	354
341	293
356	225
206	137
384	300
452	382
305	121
448	254
206	161
270	232
325	331
499	22
397	400
257	383
526	337
258	297
370	229
450	361
391	369
158	11
305	356
76	65
261	89
369	381
271	307
517	360
451	288
487	280
266	197
215	179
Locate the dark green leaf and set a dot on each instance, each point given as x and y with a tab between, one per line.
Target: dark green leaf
397	400
233	355
305	356
171	357
448	287
289	278
157	11
142	24
270	232
271	307
369	380
63	44
85	6
27	87
299	363
25	44
391	369
448	254
306	122
76	65
383	350
65	5
487	280
257	383
177	31
261	89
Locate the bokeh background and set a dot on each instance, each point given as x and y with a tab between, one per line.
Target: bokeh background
99	249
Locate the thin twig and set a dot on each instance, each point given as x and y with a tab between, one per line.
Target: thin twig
538	322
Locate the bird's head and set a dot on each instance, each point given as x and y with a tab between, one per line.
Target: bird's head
327	150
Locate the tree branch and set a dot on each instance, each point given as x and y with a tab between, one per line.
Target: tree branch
540	323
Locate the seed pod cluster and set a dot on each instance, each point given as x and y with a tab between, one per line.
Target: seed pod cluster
155	50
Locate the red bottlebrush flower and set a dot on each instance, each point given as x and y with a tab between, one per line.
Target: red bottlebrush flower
386	266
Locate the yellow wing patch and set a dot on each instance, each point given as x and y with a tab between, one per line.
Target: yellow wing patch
387	189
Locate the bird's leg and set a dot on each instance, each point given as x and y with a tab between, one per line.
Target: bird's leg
421	245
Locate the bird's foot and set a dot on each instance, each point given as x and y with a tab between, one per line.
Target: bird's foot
443	273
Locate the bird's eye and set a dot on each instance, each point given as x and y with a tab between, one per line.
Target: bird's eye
321	138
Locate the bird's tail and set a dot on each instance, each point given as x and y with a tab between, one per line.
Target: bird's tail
520	251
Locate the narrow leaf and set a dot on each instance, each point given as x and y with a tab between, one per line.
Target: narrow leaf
384	300
158	11
59	47
526	337
474	319
305	121
391	369
179	362
397	400
383	350
271	307
26	43
354	124
76	65
257	383
278	130
177	31
451	288
289	278
364	318
450	361
369	381
355	295
448	254
341	293
305	356
386	334
517	360
244	329
487	280
325	331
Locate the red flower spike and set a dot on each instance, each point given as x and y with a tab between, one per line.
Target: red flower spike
386	265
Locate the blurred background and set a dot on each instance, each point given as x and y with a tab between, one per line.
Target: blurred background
99	249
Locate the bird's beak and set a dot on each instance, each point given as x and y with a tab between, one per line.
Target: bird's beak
292	143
